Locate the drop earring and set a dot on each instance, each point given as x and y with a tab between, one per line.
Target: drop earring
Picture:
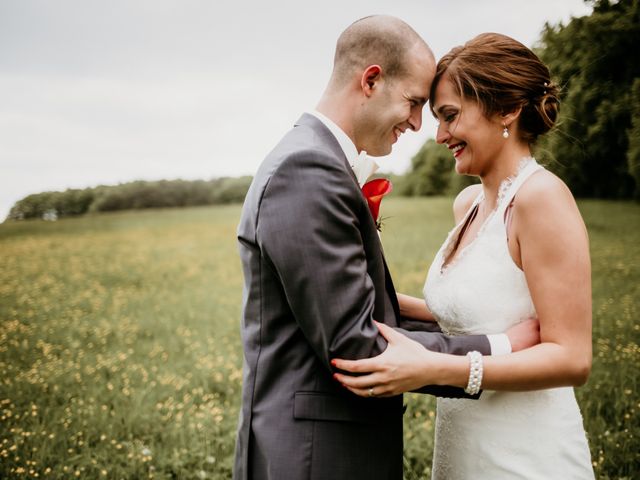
505	132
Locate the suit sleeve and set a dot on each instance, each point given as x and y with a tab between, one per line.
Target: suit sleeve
431	337
307	229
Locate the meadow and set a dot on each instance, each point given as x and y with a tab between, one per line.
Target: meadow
120	352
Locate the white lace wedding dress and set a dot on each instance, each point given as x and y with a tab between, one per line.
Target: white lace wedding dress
503	435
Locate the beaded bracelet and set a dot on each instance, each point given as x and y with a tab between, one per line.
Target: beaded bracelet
475	373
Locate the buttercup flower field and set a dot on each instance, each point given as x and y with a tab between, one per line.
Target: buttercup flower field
120	350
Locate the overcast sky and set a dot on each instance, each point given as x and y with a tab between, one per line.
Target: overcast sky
112	91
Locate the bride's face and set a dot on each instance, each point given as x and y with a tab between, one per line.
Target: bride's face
472	138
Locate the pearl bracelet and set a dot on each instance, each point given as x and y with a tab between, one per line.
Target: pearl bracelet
475	373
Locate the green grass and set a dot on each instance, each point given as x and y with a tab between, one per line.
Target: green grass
120	353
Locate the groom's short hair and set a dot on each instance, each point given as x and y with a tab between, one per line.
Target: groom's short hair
375	40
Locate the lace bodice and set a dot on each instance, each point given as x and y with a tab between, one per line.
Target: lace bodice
467	296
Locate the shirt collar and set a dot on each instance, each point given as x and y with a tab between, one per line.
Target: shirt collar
347	145
362	165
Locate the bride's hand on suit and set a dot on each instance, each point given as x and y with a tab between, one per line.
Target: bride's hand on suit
405	365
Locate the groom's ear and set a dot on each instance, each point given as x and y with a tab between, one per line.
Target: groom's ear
370	77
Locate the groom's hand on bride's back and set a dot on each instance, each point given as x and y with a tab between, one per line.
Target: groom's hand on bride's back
524	334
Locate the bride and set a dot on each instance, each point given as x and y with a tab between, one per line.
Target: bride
519	249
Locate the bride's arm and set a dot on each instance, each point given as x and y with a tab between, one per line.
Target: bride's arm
555	258
416	308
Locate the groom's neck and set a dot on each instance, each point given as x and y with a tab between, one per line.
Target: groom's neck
339	108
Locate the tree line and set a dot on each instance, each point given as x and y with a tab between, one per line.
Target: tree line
132	195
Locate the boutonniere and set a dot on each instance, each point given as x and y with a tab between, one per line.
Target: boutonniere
373	191
364	166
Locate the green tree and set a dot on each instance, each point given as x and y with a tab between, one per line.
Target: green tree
633	154
433	173
132	195
430	170
592	59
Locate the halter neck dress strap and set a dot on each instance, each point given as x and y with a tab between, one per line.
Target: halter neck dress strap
509	188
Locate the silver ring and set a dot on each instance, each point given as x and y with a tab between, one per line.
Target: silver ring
371	392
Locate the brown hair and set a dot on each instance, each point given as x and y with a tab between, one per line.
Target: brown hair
501	74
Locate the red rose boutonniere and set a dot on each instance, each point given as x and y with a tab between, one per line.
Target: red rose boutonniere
373	191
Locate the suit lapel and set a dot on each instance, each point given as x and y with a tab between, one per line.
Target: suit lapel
330	141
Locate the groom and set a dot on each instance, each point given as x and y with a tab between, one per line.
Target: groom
316	278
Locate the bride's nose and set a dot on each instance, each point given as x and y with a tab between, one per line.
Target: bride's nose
442	134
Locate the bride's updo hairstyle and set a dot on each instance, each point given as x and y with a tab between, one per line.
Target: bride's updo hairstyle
501	75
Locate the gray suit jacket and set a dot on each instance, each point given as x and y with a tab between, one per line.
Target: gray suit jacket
315	278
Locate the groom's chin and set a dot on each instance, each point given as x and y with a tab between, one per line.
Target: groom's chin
380	151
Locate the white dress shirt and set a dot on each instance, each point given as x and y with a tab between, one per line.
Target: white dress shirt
364	166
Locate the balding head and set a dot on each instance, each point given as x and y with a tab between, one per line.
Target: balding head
380	82
376	40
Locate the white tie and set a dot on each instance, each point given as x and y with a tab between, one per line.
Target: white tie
364	166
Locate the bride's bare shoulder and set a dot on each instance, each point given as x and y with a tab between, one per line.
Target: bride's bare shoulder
542	191
464	199
544	205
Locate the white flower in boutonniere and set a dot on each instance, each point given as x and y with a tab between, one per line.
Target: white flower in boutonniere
364	166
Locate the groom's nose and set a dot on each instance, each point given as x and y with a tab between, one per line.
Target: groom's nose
415	119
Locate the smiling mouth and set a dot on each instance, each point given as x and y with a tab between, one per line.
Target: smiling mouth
457	149
397	132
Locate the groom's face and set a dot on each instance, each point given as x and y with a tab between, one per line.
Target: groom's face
397	105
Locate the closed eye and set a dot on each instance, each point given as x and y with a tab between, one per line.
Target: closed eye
447	116
415	101
446	113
